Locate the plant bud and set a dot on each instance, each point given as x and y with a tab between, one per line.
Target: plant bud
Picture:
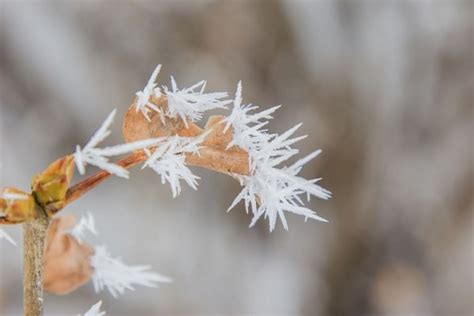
50	186
16	206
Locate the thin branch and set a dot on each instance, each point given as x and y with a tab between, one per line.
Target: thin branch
91	182
230	162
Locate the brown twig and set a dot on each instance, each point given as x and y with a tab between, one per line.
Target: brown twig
91	182
229	162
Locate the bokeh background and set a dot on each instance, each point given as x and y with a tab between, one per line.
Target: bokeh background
385	88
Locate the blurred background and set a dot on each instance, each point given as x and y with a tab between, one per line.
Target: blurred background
384	88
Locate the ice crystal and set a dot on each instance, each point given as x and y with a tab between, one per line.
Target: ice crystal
85	225
247	128
270	191
4	235
168	161
95	310
112	274
186	104
143	103
190	103
99	156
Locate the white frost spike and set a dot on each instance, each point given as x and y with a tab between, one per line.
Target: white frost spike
86	224
190	103
116	277
99	156
270	191
143	103
4	235
95	310
247	128
168	161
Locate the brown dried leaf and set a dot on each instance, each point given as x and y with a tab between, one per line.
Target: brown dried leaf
66	261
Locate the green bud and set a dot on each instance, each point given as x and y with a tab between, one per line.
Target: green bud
50	186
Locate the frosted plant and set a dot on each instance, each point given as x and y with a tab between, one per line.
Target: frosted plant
238	145
112	274
95	310
4	235
99	156
270	191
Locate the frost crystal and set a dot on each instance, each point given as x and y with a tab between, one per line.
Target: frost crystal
112	273
116	277
4	235
186	104
270	191
168	160
143	103
99	156
247	128
86	225
95	310
190	103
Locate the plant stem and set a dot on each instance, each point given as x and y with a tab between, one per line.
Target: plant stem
34	239
91	182
230	162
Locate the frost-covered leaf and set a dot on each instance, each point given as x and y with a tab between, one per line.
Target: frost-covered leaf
270	191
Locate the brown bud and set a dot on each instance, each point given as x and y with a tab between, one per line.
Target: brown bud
19	208
66	261
50	186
